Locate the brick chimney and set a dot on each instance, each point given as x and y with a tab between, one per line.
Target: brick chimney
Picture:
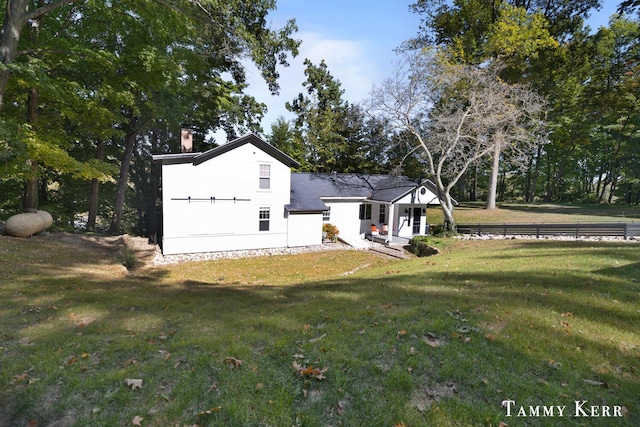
186	141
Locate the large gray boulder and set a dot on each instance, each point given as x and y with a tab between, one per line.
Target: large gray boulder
28	223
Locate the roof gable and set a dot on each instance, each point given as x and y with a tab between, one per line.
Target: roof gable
198	158
247	139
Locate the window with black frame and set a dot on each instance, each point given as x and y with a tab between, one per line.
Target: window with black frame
264	217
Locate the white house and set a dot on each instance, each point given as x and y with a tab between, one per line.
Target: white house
243	195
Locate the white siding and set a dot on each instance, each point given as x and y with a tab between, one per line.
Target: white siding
305	229
222	224
345	215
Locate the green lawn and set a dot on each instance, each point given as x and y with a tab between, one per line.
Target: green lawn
420	342
469	213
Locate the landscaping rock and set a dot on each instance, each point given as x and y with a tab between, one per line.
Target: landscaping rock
28	223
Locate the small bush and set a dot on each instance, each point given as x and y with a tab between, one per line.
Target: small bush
129	259
330	231
440	231
420	246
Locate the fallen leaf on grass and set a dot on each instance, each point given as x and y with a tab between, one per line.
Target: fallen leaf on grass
310	371
19	378
210	411
431	340
233	362
553	364
312	340
129	362
137	421
490	337
133	384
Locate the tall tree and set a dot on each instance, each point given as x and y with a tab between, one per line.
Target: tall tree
319	121
330	129
522	34
454	113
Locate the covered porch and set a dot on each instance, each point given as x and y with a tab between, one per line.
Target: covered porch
397	224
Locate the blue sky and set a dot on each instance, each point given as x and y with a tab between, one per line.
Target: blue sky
356	38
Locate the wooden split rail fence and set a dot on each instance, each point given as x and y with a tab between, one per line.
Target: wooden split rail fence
625	230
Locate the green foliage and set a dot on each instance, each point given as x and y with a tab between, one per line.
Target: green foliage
587	76
331	135
108	70
442	230
517	36
422	246
129	259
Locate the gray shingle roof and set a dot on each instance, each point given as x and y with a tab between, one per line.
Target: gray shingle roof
307	189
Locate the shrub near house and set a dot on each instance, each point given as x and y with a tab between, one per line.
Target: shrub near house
419	246
330	232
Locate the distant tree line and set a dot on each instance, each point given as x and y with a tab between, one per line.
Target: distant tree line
586	143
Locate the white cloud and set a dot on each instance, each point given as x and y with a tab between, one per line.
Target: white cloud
347	60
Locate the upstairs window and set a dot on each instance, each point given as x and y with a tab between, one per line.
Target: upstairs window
265	177
326	215
263	219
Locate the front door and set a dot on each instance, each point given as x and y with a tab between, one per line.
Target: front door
417	216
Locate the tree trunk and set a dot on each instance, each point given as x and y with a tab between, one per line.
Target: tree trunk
30	200
94	192
493	178
15	18
16	15
154	188
473	192
446	204
535	173
123	180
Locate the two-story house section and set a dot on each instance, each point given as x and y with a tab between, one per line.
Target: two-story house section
232	197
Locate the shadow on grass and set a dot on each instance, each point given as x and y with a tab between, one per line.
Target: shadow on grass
528	335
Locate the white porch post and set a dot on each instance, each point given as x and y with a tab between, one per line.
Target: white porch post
392	221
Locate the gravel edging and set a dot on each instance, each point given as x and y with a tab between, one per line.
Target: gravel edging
160	259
